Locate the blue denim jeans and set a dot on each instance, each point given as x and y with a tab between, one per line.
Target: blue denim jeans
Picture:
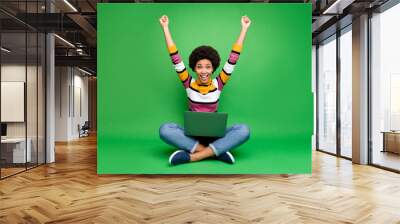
174	135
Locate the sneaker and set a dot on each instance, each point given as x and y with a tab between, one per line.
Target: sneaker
179	157
226	157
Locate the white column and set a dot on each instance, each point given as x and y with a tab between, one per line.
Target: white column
50	99
50	92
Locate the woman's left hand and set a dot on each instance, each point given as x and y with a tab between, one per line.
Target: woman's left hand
246	22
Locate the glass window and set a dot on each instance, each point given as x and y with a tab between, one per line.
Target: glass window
314	75
14	150
385	88
346	92
41	98
327	95
22	90
31	101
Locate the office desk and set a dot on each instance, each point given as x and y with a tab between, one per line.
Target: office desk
391	141
13	150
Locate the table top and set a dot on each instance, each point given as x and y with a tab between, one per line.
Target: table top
13	140
391	132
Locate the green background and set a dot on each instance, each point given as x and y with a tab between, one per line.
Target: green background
270	89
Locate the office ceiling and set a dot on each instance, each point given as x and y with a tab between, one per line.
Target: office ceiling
77	22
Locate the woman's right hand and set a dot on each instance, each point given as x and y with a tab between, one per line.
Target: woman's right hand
245	22
164	21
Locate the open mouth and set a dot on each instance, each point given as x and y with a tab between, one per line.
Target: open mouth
204	77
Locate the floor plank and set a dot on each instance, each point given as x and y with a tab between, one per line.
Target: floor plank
70	191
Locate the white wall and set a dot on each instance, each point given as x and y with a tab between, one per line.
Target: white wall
62	81
71	102
12	73
13	101
33	127
80	110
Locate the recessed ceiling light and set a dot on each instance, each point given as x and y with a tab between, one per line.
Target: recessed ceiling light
5	50
64	40
337	7
71	6
84	71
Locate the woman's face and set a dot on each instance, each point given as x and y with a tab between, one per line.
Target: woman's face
204	70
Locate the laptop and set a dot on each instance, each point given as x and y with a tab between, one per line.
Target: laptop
205	124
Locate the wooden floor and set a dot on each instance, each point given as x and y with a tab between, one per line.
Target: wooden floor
70	191
387	159
5	172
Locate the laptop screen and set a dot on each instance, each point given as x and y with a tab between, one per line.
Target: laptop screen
205	124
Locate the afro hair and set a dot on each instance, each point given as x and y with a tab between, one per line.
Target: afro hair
204	52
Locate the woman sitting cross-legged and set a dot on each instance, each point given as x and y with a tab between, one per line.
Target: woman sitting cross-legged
203	96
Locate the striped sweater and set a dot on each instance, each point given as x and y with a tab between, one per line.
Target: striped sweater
204	97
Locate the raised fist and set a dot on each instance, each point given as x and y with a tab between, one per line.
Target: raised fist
245	22
164	21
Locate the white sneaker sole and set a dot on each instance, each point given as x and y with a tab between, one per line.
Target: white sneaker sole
231	156
173	154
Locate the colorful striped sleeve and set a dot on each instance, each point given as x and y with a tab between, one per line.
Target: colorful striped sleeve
179	66
229	66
